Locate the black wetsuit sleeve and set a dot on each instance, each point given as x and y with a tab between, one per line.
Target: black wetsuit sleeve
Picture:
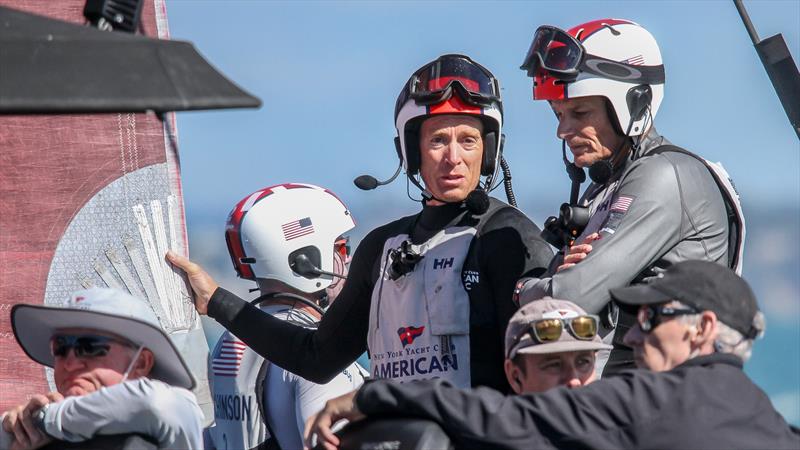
316	355
508	245
511	245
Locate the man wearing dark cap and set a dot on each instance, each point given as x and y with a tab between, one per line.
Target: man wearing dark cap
695	327
696	309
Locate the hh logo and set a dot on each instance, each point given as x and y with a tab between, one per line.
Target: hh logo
408	334
443	263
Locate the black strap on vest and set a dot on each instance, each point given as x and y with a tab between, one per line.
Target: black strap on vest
271	443
734	233
622	356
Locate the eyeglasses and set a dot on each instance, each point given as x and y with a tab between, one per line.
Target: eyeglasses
651	316
435	82
85	345
549	330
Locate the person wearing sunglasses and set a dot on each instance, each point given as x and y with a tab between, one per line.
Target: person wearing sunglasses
119	379
694	330
551	343
429	294
650	204
288	239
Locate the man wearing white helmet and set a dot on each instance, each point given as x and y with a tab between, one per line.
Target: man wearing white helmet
276	237
116	373
430	294
650	204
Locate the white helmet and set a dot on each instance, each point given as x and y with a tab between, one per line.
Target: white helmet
286	226
613	58
450	84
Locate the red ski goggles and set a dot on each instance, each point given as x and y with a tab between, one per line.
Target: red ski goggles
563	57
555	51
435	82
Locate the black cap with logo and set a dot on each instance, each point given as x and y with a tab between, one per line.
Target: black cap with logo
703	285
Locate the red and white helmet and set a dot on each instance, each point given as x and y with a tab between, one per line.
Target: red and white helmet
613	58
269	229
451	84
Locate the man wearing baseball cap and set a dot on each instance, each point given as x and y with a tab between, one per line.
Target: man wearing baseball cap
551	343
115	370
695	327
696	308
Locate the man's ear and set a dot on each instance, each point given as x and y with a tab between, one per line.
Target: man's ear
513	375
144	364
706	330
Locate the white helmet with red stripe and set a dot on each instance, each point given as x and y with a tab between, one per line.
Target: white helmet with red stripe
451	84
613	58
271	228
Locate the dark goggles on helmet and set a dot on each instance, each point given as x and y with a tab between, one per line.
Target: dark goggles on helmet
555	51
85	345
563	57
435	82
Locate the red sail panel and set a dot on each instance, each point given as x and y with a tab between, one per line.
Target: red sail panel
50	166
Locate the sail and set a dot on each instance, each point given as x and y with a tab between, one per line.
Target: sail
91	200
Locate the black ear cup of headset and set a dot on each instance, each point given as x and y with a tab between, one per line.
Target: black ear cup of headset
638	99
489	153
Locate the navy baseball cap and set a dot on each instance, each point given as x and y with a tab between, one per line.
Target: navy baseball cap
703	285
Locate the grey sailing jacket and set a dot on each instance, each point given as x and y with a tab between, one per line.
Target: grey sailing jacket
657	210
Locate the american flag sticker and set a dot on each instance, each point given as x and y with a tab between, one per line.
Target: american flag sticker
637	60
228	358
297	228
621	204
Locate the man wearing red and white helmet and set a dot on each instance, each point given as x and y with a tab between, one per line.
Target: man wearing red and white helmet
429	294
650	204
288	239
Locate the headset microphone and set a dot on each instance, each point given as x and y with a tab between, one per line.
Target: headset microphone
368	182
303	266
601	171
477	202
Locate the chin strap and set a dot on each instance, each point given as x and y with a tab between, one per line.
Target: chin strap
132	363
273	295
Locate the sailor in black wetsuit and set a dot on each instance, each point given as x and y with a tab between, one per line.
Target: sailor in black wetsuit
428	295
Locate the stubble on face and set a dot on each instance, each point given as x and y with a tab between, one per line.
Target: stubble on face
542	372
663	348
451	153
585	126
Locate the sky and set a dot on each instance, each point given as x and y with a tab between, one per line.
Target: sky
329	72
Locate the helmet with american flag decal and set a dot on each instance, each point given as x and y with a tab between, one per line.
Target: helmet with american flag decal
272	229
613	58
